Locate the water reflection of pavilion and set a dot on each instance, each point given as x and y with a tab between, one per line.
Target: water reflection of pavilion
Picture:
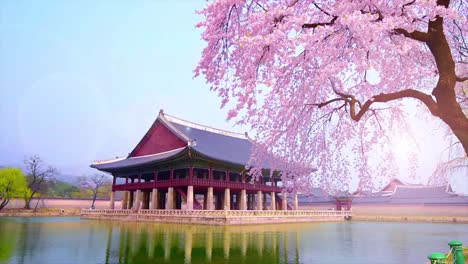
202	244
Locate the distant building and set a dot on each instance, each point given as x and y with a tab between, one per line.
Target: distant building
395	192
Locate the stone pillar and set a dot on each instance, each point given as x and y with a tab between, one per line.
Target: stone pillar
243	200
154	199
284	201
131	198
209	199
273	201
259	200
112	197
189	197
170	198
124	200
296	202
227	199
136	204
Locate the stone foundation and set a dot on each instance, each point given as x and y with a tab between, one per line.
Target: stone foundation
217	217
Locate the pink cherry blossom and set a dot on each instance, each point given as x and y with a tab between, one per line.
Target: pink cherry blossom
320	82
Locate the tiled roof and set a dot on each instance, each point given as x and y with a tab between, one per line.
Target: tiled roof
311	199
415	195
135	161
404	192
214	143
217	144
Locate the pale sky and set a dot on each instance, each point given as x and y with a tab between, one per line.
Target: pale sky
84	80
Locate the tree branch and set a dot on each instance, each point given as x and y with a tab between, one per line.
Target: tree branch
416	35
320	105
383	98
462	79
314	25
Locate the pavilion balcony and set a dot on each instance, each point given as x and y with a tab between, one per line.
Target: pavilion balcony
216	184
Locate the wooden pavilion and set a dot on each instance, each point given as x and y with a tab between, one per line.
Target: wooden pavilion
182	165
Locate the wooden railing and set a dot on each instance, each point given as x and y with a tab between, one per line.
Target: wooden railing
219	213
196	183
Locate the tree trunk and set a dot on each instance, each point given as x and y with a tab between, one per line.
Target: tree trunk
449	110
4	203
94	200
37	203
27	201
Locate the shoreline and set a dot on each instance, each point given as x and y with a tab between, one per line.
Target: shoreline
41	212
411	218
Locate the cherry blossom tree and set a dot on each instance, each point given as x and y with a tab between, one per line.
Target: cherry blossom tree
454	161
323	82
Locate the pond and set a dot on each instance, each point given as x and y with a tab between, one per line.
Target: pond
72	240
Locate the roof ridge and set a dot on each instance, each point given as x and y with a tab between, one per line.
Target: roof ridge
420	186
184	122
159	153
97	162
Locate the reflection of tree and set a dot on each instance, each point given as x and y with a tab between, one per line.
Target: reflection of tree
8	240
30	237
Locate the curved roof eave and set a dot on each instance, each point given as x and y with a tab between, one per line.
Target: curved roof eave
140	161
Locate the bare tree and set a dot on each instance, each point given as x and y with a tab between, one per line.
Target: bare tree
95	183
38	177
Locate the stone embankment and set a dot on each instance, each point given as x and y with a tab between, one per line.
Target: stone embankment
217	217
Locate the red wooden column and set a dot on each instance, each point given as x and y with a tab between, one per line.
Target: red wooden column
190	172
210	174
